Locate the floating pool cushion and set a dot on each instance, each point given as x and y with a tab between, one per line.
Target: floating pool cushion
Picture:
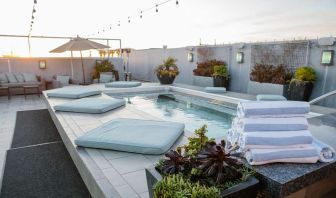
269	97
90	105
123	84
215	89
74	92
133	135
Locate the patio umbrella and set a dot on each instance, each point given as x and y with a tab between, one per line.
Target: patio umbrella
78	44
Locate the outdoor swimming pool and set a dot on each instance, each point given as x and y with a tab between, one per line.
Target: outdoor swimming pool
190	110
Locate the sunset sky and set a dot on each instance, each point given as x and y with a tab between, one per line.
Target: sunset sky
225	21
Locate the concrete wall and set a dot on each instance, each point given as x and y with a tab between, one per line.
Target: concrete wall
55	66
292	54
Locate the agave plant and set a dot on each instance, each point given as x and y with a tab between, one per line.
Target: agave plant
174	163
214	161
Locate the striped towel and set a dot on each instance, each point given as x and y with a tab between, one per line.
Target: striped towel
272	109
291	155
326	152
275	139
271	124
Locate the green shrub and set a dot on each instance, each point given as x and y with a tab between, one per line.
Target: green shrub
175	186
103	66
220	70
168	68
305	73
197	142
206	68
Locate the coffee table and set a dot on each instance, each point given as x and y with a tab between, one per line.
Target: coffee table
7	90
30	87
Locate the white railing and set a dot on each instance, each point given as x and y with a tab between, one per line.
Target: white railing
322	97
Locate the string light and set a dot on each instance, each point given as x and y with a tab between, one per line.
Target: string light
129	19
35	1
141	15
156	10
177	3
32	18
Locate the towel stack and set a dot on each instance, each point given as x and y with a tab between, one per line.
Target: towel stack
276	131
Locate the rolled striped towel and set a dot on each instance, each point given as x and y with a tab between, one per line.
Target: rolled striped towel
272	109
326	152
290	155
275	139
271	124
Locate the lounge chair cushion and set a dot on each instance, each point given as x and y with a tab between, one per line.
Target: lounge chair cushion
133	135
29	77
215	89
73	92
270	97
64	80
11	78
90	105
123	84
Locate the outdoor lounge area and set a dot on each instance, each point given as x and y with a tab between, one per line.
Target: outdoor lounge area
168	99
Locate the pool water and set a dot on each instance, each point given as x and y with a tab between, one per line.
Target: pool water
191	111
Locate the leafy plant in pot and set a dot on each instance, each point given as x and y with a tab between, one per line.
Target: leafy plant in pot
167	71
211	169
104	66
220	76
301	86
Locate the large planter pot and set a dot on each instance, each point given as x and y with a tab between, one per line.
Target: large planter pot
221	81
202	81
298	91
166	80
247	189
264	88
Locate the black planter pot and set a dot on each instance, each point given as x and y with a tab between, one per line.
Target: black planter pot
166	80
248	189
221	81
298	91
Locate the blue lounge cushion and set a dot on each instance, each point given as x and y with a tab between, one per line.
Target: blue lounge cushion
215	89
73	92
123	84
90	105
270	97
133	135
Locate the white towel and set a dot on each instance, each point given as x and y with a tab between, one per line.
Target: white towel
326	152
272	109
293	155
275	139
271	124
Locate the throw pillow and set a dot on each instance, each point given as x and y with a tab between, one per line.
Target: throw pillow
11	78
3	78
64	80
19	77
29	77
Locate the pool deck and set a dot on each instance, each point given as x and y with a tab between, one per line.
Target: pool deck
120	174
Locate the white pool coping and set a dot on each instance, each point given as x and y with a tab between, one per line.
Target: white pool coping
109	173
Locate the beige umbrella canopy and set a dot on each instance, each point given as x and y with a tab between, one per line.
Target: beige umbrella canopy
79	44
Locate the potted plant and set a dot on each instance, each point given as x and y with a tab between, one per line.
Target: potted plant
220	76
301	86
201	168
104	66
167	71
204	71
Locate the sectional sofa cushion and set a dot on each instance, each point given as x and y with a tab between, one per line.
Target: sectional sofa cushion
64	80
11	78
270	97
29	77
74	92
19	78
90	105
123	84
215	89
3	78
133	135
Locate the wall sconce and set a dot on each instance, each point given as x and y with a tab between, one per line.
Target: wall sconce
190	57
327	57
42	64
240	57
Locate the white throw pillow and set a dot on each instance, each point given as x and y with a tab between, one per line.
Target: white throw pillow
64	80
11	78
105	78
29	77
3	78
19	78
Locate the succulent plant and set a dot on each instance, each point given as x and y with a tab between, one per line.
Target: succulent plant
215	162
174	163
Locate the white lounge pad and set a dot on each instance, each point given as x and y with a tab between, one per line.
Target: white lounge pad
215	89
123	84
73	92
133	135
270	97
90	105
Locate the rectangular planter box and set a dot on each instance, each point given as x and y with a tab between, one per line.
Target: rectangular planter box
256	88
246	189
202	81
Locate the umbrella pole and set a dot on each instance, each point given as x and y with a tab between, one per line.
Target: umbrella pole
72	69
82	66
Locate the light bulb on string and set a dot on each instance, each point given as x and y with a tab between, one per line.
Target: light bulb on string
156	10
35	1
177	3
141	15
129	19
34	10
119	23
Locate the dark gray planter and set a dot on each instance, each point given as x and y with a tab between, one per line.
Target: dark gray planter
298	91
246	189
221	81
166	80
